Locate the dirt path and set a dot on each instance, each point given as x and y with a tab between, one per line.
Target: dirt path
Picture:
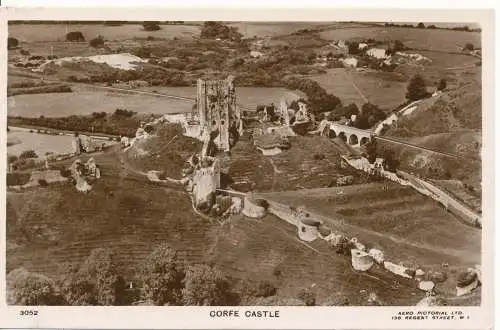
365	99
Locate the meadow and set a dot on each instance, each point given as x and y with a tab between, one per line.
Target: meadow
396	219
57	32
41	143
427	39
385	89
85	101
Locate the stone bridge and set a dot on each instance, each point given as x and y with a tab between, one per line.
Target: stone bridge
351	135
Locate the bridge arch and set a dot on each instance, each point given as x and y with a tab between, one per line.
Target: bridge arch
353	139
328	132
364	141
342	136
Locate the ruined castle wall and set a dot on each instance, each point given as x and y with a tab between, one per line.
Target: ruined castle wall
217	110
205	182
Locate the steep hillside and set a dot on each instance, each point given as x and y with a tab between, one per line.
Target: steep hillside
451	124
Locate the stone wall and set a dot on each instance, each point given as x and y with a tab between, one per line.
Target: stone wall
206	181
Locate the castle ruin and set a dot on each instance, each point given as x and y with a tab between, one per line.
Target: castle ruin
218	114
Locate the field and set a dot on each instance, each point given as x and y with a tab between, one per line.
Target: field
123	212
42	143
428	39
258	249
311	161
57	32
273	29
385	89
85	102
48	227
395	219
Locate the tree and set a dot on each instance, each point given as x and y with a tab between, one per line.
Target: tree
307	296
391	163
442	84
218	30
371	151
151	26
95	281
421	25
12	159
469	46
28	154
353	48
30	289
75	36
265	289
160	277
12	43
97	42
206	286
416	89
398	46
370	115
351	109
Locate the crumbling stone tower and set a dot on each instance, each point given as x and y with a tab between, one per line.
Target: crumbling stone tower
217	111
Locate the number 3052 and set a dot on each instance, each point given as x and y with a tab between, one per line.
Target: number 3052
28	313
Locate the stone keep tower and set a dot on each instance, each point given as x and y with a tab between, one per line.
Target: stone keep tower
217	111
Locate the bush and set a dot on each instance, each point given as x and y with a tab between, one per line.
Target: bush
43	183
24	52
124	113
97	42
75	36
469	46
265	289
94	282
353	48
160	277
65	172
17	179
12	159
30	289
99	115
151	26
319	156
114	23
207	286
416	89
421	25
441	85
218	30
307	296
28	154
12	43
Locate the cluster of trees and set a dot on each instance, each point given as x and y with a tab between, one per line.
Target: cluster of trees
367	117
417	89
97	42
219	30
151	26
108	23
75	36
433	26
12	43
318	99
162	278
121	122
373	151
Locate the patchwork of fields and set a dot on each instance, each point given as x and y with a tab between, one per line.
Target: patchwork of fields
57	32
408	226
428	39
